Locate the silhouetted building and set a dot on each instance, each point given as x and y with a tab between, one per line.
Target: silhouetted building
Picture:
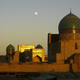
53	46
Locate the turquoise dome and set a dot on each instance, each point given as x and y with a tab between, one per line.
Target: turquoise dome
69	21
10	46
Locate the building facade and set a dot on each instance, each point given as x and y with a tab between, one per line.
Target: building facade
64	48
35	54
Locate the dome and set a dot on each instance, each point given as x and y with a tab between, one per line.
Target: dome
68	22
39	47
10	46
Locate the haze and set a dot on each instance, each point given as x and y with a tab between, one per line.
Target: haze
18	25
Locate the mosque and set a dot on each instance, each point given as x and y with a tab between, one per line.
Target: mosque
64	48
63	51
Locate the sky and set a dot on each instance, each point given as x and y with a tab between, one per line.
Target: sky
19	25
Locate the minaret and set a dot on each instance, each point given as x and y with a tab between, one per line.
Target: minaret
49	38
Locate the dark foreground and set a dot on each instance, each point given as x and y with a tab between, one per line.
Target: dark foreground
40	76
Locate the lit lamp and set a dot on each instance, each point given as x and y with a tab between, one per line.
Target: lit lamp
74	31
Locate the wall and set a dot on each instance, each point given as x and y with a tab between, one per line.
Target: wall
34	68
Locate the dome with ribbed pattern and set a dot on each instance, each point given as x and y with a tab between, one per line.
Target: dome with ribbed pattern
68	22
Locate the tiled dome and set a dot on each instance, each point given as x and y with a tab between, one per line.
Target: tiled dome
68	22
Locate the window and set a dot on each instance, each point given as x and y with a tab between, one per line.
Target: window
76	46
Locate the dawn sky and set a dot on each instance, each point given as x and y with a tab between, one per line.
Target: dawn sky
19	25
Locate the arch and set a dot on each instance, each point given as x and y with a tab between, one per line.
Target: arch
37	59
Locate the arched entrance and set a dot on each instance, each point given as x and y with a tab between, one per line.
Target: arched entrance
74	62
37	59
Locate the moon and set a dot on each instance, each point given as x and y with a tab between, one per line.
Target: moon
36	13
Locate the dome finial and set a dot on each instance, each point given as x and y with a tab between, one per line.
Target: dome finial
70	11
